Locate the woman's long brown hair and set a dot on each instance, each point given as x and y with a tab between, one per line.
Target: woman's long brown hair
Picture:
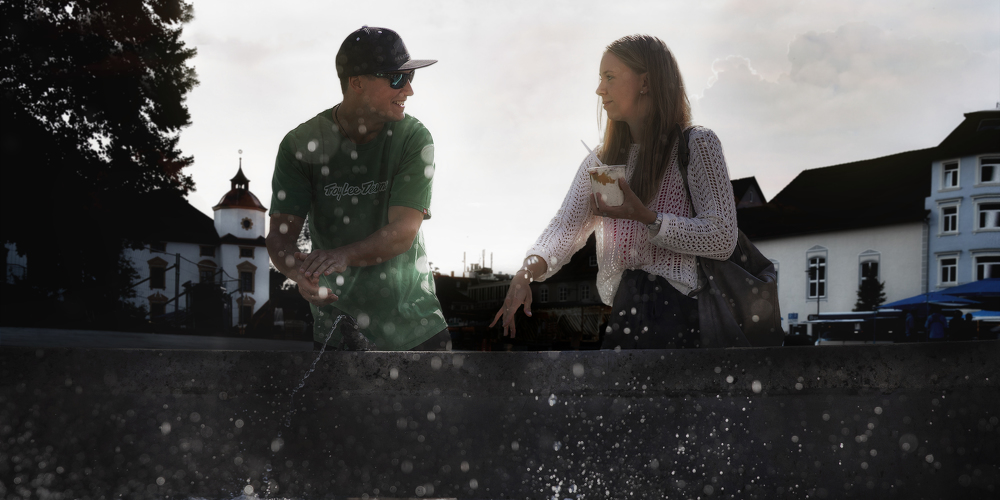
669	106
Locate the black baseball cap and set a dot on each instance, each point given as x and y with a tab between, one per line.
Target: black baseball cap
375	50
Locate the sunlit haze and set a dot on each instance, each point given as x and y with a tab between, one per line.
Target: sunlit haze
787	85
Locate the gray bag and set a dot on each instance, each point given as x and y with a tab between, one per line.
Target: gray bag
737	297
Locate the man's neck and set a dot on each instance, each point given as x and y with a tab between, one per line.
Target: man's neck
360	127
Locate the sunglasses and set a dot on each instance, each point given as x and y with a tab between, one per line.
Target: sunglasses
397	80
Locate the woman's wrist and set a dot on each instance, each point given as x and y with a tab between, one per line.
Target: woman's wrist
648	217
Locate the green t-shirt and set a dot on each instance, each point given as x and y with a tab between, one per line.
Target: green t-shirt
346	189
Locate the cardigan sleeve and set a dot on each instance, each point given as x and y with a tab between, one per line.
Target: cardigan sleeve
569	229
712	232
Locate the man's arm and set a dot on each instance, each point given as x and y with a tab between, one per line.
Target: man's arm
281	247
393	239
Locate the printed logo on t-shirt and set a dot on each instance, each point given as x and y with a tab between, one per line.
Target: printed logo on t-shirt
370	187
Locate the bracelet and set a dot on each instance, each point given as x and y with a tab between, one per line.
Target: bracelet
532	275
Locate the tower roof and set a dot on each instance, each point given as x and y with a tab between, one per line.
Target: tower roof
240	196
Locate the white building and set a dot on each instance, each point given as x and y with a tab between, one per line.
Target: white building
191	248
885	218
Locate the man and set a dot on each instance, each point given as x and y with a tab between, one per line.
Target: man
361	171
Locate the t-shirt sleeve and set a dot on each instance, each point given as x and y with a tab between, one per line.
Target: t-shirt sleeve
411	184
290	186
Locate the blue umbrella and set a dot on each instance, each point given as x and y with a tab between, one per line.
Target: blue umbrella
924	299
985	291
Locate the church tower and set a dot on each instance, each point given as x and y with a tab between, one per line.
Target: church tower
240	221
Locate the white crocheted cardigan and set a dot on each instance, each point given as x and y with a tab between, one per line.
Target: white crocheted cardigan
627	244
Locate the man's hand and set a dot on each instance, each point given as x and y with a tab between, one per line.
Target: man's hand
316	295
321	262
632	208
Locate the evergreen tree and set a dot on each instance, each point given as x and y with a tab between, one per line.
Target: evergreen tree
93	101
871	294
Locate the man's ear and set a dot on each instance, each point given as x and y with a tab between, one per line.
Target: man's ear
356	84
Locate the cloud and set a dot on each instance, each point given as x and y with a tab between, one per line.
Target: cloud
853	93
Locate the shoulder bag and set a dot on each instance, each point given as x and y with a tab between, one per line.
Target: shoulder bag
737	297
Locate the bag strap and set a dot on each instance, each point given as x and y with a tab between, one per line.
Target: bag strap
683	157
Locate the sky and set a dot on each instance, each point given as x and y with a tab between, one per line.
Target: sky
787	85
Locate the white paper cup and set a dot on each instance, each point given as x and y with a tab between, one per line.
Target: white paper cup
604	180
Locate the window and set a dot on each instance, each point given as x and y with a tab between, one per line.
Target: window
207	251
949	180
543	294
246	312
948	264
593	261
246	281
816	272
817	277
157	309
988	215
585	291
157	273
987	266
989	171
247	271
245	309
868	266
563	293
246	252
949	219
206	271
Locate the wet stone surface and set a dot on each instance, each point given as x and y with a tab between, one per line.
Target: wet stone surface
888	421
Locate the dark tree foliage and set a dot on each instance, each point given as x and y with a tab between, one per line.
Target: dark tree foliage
93	102
871	294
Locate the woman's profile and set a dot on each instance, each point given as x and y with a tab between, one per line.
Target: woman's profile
647	246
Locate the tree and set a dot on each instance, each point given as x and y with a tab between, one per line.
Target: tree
871	294
93	103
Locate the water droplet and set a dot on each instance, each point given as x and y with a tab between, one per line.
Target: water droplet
515	446
406	466
393	373
340	280
729	378
577	370
248	489
347	220
277	444
281	195
165	428
473	483
756	386
553	399
465	467
283	228
429	171
557	445
323	292
354	155
929	458
311	146
325	170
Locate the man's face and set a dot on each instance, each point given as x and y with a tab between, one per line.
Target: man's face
384	101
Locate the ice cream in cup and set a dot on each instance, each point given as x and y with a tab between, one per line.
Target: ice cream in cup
604	180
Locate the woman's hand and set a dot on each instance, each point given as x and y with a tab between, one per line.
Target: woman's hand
518	294
632	208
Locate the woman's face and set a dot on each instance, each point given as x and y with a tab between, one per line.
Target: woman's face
620	89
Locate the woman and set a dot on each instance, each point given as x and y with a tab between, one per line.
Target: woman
646	247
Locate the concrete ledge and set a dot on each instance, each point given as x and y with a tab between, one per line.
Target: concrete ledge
887	421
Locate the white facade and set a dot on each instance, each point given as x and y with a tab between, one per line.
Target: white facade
898	250
244	223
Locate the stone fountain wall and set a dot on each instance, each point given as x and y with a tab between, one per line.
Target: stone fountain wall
888	421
